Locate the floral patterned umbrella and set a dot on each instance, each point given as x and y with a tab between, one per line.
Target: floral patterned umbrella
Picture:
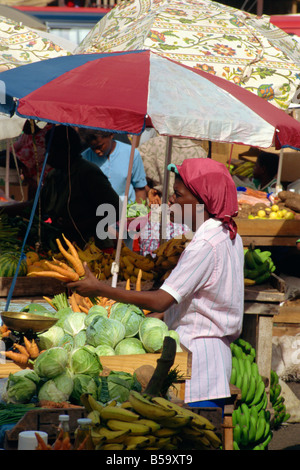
204	34
20	45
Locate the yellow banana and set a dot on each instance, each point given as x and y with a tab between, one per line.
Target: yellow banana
153	425
97	438
249	282
212	437
198	420
176	421
94	404
111	447
116	412
162	442
147	409
95	417
113	436
134	427
136	442
166	432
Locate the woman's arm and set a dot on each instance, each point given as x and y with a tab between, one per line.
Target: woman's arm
89	286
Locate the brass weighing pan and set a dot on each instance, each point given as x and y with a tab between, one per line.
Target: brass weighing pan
23	322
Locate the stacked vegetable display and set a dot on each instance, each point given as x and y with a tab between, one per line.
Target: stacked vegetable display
258	266
253	426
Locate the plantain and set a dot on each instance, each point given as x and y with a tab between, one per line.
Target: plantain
119	413
135	428
147	408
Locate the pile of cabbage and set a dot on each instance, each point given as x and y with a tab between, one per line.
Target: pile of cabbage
70	363
126	330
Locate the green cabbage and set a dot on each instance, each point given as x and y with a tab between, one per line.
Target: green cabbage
119	385
105	331
66	342
74	323
104	350
21	386
57	389
95	310
130	315
51	362
85	361
153	339
51	337
130	346
83	384
61	315
80	339
175	336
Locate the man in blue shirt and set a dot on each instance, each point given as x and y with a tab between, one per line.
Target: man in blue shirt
112	157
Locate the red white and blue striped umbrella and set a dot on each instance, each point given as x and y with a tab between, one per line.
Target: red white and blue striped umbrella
127	91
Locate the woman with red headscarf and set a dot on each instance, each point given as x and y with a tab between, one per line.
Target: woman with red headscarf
203	297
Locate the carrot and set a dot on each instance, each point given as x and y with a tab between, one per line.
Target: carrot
3	328
31	348
65	272
21	349
127	287
82	444
138	286
66	444
83	309
41	443
58	442
74	304
88	302
54	274
50	302
19	358
72	257
6	334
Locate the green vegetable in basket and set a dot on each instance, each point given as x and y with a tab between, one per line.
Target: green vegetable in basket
58	389
21	386
51	363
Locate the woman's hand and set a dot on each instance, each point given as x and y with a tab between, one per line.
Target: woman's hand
89	286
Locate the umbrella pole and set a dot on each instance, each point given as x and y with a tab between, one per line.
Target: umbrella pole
163	215
115	264
278	182
7	163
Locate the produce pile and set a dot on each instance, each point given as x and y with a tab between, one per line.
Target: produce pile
253	426
258	266
242	169
167	255
148	423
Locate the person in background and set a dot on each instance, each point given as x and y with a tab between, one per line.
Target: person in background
74	189
203	297
112	157
265	171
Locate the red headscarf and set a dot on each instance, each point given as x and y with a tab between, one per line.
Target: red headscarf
211	181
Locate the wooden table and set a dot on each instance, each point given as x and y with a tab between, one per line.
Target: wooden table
263	232
262	304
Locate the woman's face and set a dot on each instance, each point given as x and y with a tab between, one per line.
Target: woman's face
185	208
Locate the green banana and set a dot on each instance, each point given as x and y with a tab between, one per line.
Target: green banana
260	428
259	393
239	381
254	369
233	376
244	386
241	366
249	259
252	429
237	433
267	441
263	278
235	364
251	390
244	436
246	412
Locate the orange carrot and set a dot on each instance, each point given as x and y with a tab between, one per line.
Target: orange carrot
83	309
31	348
66	444
138	286
127	287
41	443
3	328
82	444
65	272
71	257
73	303
6	334
58	442
54	274
50	302
21	349
16	357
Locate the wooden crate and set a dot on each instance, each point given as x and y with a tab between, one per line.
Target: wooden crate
29	287
125	363
268	232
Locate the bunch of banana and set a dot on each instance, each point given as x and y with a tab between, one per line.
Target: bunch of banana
258	266
277	401
167	255
244	169
100	263
149	424
252	428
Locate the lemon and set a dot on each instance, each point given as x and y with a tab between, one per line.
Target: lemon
289	215
273	215
261	213
275	208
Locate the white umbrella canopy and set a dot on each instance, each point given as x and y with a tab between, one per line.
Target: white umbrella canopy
225	41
